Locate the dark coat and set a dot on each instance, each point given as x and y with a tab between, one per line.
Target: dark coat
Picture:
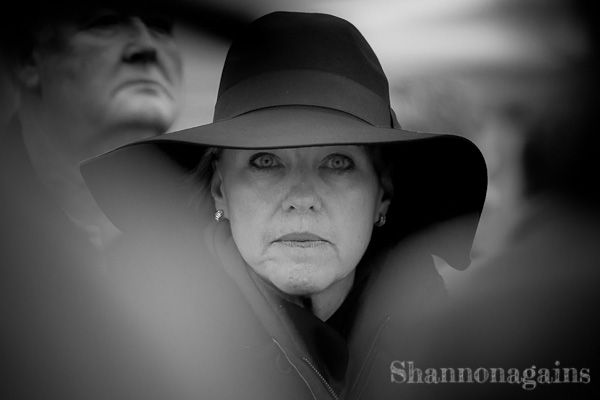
61	334
223	333
181	316
533	306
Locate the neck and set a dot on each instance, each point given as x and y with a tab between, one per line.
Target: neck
324	304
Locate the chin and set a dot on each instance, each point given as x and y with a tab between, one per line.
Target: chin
300	285
147	112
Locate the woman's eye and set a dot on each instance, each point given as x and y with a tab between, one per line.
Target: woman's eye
264	161
338	163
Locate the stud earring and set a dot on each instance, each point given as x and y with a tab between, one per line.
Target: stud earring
218	215
381	221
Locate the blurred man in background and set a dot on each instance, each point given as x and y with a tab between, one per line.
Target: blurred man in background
90	76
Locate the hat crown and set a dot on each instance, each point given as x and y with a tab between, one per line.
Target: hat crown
290	58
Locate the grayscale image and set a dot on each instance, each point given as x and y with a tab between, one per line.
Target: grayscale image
340	199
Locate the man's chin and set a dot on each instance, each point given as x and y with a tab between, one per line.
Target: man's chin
150	114
145	105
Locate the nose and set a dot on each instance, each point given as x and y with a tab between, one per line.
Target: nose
302	198
142	47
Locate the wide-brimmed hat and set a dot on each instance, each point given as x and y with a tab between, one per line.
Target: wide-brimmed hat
297	80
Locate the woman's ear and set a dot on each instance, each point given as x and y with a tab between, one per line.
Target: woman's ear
217	192
382	209
386	192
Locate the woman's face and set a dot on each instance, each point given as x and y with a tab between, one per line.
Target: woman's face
301	218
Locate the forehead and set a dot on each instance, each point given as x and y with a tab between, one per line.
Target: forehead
308	151
302	150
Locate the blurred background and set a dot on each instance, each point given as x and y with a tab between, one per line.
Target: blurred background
491	50
516	77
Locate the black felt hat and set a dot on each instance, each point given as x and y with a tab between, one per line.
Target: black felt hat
297	80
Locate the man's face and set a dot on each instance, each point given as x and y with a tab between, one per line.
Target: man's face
115	77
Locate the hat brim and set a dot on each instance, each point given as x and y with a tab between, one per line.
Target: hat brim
437	177
296	126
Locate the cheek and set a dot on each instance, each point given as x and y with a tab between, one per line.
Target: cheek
248	217
354	223
173	62
77	74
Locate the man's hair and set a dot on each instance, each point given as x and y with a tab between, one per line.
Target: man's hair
21	28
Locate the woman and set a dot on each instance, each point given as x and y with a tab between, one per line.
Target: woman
316	266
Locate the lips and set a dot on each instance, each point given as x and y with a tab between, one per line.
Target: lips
302	241
300	237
